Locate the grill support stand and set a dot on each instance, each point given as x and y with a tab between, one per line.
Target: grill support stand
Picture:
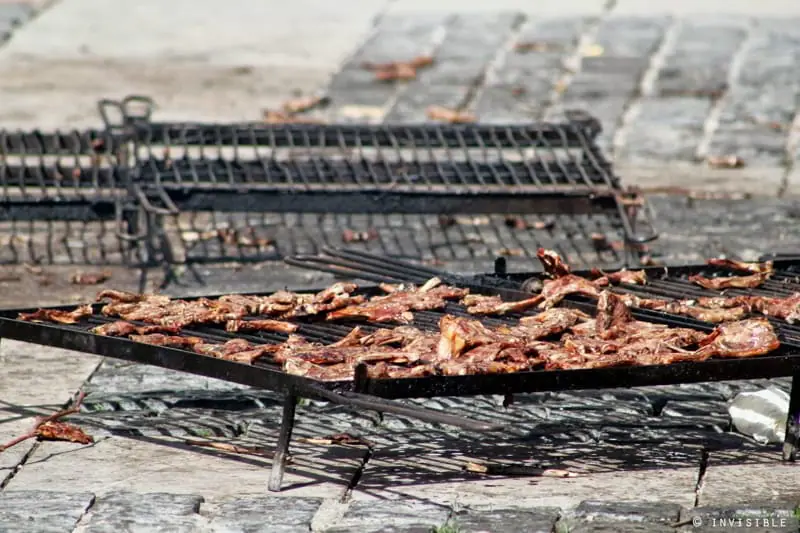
282	451
792	439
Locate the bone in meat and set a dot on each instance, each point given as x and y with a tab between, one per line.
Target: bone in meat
494	305
744	338
734	282
754	268
276	326
557	289
553	265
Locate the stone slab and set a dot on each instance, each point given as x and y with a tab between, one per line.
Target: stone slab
710	8
36	381
391	517
127	511
755	477
263	514
258	58
540	520
699	178
42	511
167	465
754	516
592	510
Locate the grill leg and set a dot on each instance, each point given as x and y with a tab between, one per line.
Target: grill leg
281	454
792	439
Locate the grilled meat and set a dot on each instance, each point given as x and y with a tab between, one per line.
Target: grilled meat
553	291
58	316
494	305
621	277
744	338
549	323
612	314
276	326
130	297
398	304
754	268
553	265
169	341
733	282
120	328
787	308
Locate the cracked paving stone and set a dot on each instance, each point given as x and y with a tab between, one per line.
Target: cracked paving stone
700	61
664	513
666	129
768	517
157	512
396	516
265	515
42	511
619	527
507	521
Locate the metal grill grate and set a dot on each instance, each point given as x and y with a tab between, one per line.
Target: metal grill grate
252	191
64	198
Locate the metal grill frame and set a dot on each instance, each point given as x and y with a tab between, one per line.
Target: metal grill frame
376	394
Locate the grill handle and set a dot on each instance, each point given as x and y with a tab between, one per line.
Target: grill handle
374	403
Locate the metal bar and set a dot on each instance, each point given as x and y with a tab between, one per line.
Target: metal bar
52	209
367	201
285	436
356	136
792	438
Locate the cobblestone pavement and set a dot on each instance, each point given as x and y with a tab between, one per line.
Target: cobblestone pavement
670	91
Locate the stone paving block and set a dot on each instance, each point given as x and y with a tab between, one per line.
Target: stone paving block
770	58
765	517
255	514
36	380
121	377
397	38
666	129
631	37
709	8
758	146
621	527
751	477
148	464
656	485
506	520
700	61
592	510
767	109
500	105
127	511
42	511
391	517
470	43
546	7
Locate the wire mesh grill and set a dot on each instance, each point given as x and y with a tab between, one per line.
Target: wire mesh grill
63	198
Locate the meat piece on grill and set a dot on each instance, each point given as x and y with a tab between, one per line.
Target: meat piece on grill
57	315
754	268
787	308
340	372
277	326
734	282
335	297
621	277
169	341
553	291
461	334
744	338
715	315
553	265
478	304
383	370
721	302
548	323
121	328
397	306
131	297
236	350
612	314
